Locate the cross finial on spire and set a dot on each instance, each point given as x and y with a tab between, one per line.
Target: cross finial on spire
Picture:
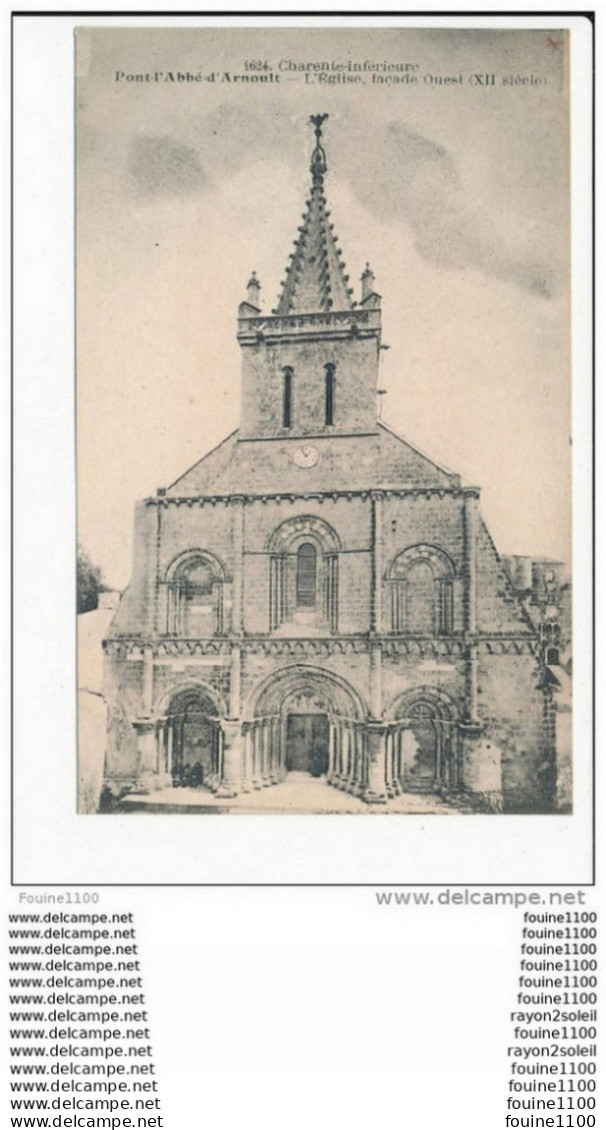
318	157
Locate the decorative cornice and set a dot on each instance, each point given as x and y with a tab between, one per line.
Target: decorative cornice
319	495
521	646
321	319
415	647
423	648
361	324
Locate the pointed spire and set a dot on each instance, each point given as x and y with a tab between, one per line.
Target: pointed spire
315	277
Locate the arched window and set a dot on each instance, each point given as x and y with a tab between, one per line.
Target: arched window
445	607
329	402
303	554
422	594
306	575
287	397
421	599
195	598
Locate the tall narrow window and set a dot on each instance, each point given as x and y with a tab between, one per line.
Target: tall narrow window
306	576
329	406
287	398
445	610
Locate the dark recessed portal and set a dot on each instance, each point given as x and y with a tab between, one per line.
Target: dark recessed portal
307	743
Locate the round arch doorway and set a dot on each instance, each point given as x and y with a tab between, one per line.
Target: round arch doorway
307	722
425	742
196	745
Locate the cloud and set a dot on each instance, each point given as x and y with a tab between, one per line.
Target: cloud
419	182
409	178
161	166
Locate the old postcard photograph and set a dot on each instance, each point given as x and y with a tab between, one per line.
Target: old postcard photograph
314	613
303	498
323	554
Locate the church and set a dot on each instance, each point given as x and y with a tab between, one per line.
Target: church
317	597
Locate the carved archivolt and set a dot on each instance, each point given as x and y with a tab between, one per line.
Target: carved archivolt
180	564
329	692
440	704
292	530
441	564
208	696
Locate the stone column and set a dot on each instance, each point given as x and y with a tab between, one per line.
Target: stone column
353	749
213	779
439	770
231	777
359	761
271	752
235	681
363	768
390	786
351	776
346	755
237	613
147	696
376	571
280	750
331	752
265	745
470	507
376	681
265	748
169	746
162	742
351	757
257	782
246	758
338	781
470	517
375	790
281	732
471	684
277	591
397	760
273	744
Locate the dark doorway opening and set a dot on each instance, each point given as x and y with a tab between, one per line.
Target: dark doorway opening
195	742
307	744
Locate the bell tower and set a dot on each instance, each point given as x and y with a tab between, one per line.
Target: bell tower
310	368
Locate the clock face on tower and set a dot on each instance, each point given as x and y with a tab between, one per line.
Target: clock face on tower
306	456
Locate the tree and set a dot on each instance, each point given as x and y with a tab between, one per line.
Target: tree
88	582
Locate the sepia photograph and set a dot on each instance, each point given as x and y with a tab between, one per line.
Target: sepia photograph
323	421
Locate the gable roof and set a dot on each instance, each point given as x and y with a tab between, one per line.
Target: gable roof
381	459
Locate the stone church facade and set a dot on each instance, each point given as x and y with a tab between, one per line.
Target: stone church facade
317	596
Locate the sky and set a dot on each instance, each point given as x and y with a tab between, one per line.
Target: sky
456	192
